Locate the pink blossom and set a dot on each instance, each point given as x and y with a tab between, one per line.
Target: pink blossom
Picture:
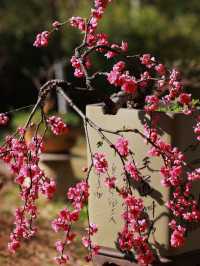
144	79
88	258
75	62
160	68
59	246
102	39
110	182
154	152
78	194
13	245
57	125
100	163
124	46
49	189
63	259
176	171
56	24
78	22
119	66
174	76
86	241
110	54
101	3
59	224
98	12
21	131
132	170
93	23
121	146
3	119
185	98
194	175
91	39
114	78
92	229
129	85
42	39
95	249
78	73
161	84
178	236
125	240
152	103
147	60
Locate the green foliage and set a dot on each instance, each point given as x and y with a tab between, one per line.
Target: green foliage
176	107
172	108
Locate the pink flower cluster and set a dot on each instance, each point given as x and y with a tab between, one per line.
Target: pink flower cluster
23	159
182	206
87	242
121	146
42	39
96	14
120	78
23	226
62	259
152	103
100	163
194	175
64	223
131	169
64	220
178	235
3	119
78	22
173	158
112	53
77	65
184	98
78	195
56	24
175	86
57	125
136	226
110	182
148	60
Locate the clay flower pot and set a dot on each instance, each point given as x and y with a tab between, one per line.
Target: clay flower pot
106	208
56	144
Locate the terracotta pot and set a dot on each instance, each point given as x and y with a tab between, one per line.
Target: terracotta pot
105	207
56	144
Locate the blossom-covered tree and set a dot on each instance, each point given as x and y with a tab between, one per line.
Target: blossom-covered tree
151	87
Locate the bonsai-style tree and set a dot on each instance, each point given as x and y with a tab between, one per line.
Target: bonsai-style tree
139	81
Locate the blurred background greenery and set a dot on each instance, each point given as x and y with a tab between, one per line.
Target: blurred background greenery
167	29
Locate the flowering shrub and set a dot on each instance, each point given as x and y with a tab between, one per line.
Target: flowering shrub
152	88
